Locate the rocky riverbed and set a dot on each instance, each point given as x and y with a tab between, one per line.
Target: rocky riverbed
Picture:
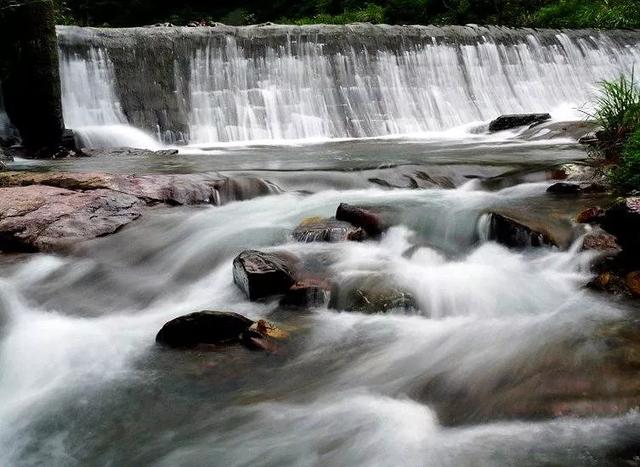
333	298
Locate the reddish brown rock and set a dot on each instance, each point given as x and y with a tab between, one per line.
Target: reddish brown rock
44	218
173	189
633	283
366	218
601	242
590	215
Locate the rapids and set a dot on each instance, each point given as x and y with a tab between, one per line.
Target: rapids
82	382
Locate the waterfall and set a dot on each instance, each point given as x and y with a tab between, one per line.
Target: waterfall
90	105
6	129
221	84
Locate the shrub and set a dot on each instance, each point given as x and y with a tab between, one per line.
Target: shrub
371	13
626	177
617	111
605	14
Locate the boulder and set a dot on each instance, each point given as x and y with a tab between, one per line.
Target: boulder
601	242
623	221
518	233
219	328
44	218
368	219
203	327
506	122
307	293
327	230
260	275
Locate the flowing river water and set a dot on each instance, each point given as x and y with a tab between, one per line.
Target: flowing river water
508	361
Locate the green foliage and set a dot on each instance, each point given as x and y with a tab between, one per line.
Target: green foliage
534	13
372	13
626	177
605	14
617	111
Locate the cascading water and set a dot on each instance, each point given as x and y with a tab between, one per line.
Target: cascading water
6	129
90	106
290	83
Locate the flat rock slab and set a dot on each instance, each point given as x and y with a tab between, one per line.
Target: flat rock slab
180	189
44	218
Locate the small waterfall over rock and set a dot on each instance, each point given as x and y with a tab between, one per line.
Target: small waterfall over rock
6	129
204	85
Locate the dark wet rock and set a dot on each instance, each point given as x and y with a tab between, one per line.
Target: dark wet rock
317	229
307	293
563	188
506	122
623	221
590	139
259	274
203	327
253	340
125	152
370	295
590	215
368	219
44	218
518	233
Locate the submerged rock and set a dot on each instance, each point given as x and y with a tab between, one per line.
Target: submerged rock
327	230
555	130
307	293
519	233
260	275
367	219
371	295
566	188
203	327
506	122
